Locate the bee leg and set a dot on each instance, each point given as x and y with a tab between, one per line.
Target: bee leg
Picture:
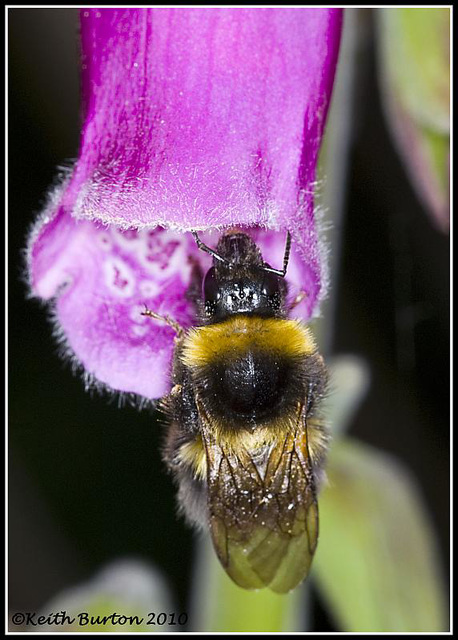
203	247
282	272
297	300
171	323
194	292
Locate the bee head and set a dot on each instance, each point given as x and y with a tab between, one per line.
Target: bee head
241	282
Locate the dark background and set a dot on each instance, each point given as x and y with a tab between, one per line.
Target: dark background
87	484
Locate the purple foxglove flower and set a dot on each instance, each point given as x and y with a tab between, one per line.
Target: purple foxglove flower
194	119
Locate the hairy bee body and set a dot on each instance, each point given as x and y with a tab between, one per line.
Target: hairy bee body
244	442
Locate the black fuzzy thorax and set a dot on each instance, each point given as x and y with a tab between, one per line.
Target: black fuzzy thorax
258	387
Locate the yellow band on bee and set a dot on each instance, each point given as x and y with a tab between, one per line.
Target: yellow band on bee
234	336
193	454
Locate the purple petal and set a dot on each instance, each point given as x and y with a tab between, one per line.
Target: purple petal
194	119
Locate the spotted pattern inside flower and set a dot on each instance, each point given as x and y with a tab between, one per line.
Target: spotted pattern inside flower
141	262
119	279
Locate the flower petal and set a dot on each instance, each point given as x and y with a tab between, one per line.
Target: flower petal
200	118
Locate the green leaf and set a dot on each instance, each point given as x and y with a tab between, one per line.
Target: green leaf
377	561
420	39
414	48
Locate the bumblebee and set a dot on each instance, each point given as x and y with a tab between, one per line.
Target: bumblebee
244	443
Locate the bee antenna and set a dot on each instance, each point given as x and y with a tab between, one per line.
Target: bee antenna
203	247
282	272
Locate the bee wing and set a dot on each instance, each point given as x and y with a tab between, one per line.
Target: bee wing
263	514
